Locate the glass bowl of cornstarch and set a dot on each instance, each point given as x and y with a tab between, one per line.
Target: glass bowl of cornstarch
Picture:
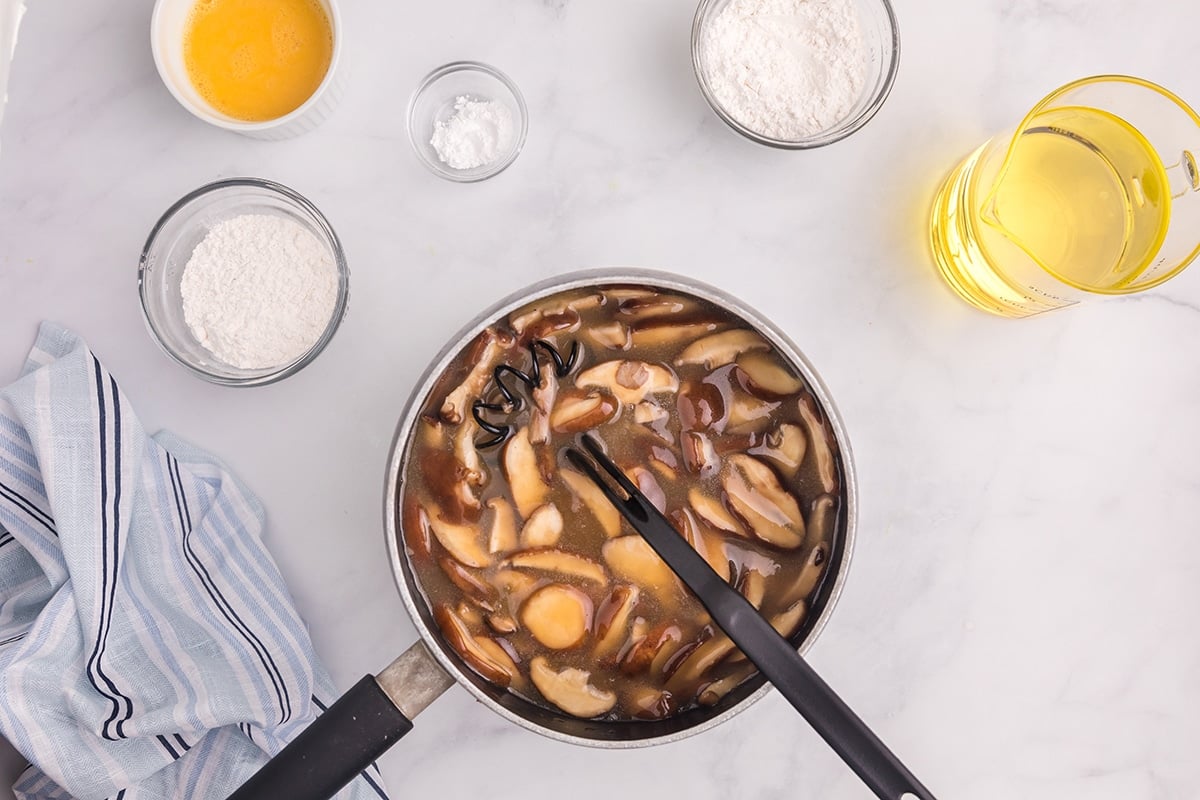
795	74
467	121
243	282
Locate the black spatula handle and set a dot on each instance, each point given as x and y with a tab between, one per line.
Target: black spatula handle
828	714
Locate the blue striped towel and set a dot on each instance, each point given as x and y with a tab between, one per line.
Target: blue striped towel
148	646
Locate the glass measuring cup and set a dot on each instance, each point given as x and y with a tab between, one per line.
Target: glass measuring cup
1097	192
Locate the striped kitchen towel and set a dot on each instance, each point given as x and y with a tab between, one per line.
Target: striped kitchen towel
149	648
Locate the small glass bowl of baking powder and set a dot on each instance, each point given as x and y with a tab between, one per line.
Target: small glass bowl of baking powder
467	121
787	83
238	207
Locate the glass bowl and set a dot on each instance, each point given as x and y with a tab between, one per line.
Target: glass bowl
433	102
881	38
170	245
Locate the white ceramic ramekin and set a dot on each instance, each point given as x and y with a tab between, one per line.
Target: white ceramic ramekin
167	26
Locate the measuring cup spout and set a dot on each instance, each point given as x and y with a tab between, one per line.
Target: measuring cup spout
1019	203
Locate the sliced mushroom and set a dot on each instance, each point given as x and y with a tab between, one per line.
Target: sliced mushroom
460	541
632	558
667	651
595	501
612	617
809	577
667	458
753	586
469	613
664	470
450	482
556	306
484	661
788	621
471	584
643	654
550	325
638	630
618	296
519	321
502	623
500	655
502	537
785	446
763	504
766	375
721	348
709	545
701	406
655	306
543	528
514	586
579	411
562	563
681	655
649	486
529	489
587	302
475	473
657	419
749	414
570	690
613	336
647	702
821	518
713	511
429	432
543	404
418	537
699	455
648	413
558	616
668	331
487	351
630	382
821	444
711	694
690	672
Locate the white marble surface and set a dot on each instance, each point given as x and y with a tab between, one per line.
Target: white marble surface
1020	617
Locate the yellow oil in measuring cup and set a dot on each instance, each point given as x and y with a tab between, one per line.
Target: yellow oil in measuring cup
1078	201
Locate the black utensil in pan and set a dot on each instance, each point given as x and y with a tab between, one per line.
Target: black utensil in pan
775	658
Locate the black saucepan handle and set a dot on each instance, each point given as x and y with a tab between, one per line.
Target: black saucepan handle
333	750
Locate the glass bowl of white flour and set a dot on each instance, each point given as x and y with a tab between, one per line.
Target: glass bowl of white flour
243	282
795	74
467	121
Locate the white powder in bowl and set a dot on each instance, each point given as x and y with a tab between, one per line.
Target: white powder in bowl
786	69
259	290
478	133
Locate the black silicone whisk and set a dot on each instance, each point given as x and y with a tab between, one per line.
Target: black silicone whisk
513	401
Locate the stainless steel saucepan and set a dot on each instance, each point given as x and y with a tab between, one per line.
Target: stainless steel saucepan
378	710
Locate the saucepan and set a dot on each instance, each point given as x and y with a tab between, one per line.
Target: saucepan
378	710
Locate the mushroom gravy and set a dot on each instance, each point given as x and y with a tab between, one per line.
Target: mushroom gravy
535	580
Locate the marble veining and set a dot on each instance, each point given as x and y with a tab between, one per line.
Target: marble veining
1018	621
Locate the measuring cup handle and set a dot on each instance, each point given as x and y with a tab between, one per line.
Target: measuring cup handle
1184	175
